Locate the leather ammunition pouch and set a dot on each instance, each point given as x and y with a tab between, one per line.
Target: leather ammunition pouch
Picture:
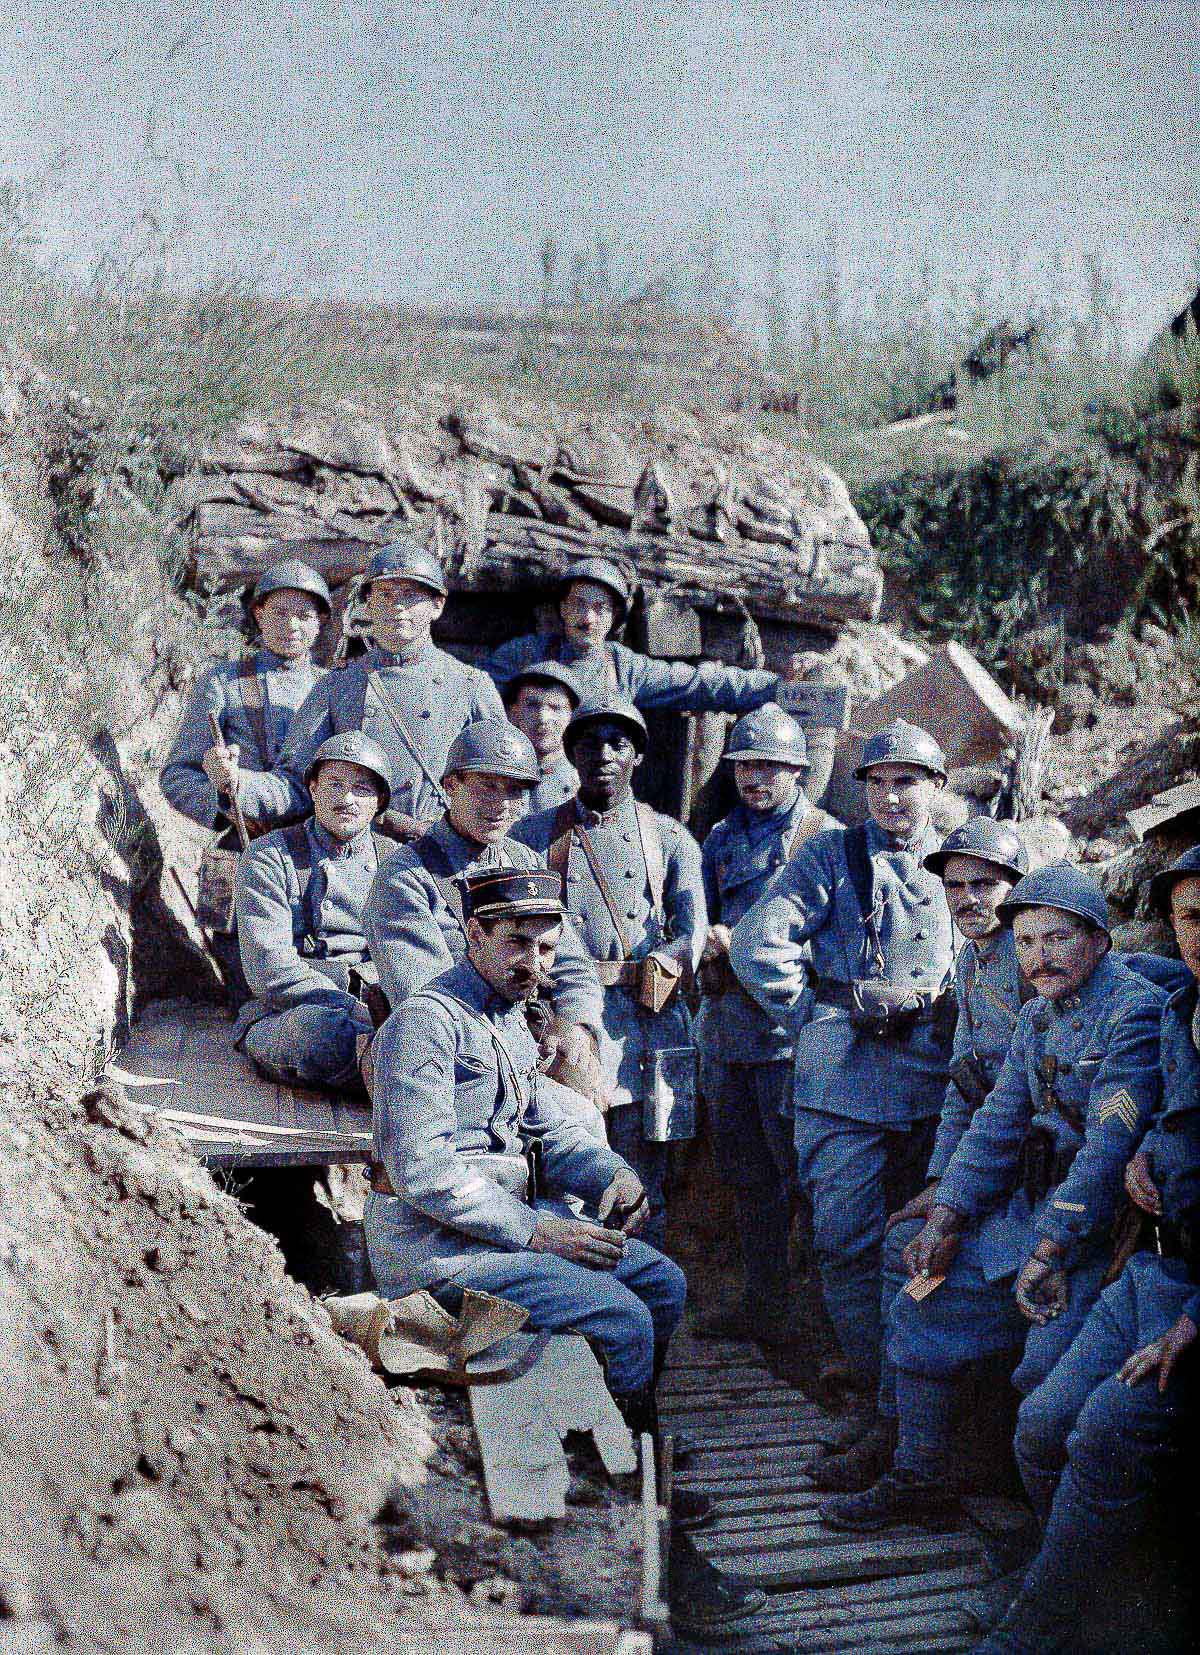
970	1081
1041	1164
886	1010
651	982
1135	1231
513	1173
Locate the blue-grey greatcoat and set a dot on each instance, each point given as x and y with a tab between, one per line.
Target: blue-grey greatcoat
647	682
746	1059
1084	1071
437	698
455	1077
221	689
556	785
1093	1452
635	1032
415	934
300	898
865	1106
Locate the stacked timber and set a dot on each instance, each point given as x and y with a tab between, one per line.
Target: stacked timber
710	514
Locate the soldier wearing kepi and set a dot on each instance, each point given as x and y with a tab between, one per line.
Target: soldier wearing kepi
635	891
978	864
301	891
595	599
850	950
1100	1435
1020	1226
405	693
415	920
746	1058
253	702
540	700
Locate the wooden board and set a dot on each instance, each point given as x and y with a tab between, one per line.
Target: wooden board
180	1064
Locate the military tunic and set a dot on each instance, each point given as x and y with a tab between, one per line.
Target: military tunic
455	1078
636	1033
284	686
647	682
300	897
865	1106
415	933
558	783
1083	1072
987	986
1092	1450
746	1059
435	696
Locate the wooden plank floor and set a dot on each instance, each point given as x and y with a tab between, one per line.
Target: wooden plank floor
827	1591
180	1062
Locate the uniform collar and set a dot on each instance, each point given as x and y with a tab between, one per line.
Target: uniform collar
461	851
266	660
387	662
467	985
334	850
878	839
593	819
767	821
1097	987
557	767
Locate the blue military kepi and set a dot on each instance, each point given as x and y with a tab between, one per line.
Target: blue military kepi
1164	882
768	733
607	709
405	560
545	672
1058	885
902	743
494	892
355	748
601	573
291	575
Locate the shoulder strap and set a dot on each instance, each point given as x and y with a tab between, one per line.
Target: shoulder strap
858	862
438	866
653	855
251	686
390	707
561	829
605	889
805	829
296	840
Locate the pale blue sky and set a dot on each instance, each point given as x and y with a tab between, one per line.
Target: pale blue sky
420	151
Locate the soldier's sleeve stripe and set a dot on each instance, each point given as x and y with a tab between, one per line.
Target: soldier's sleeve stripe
1122	1106
1070	1206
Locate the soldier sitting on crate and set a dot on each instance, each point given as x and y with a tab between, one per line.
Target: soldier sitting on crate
746	1056
635	892
1013	1252
252	702
474	1157
594	599
410	697
301	891
540	700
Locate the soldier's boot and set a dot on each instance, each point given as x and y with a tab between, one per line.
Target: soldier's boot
862	1464
851	1427
987	1605
639	1410
898	1497
704	1599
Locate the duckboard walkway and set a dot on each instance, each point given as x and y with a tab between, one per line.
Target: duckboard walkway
181	1064
828	1591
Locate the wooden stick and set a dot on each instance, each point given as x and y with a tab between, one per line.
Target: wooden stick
239	820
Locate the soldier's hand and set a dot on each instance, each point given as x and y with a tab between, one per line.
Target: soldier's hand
1140	1186
568	1054
1042	1290
1162	1353
716	943
932	1252
919	1207
579	1242
625	1203
221	767
395	824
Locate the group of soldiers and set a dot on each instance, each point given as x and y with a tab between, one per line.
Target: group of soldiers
933	1052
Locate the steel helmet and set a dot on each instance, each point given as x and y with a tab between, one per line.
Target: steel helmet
544	672
902	743
987	841
493	747
405	560
292	576
607	709
768	733
1164	882
355	748
601	573
1059	885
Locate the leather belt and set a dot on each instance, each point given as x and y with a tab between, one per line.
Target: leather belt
513	1173
619	973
